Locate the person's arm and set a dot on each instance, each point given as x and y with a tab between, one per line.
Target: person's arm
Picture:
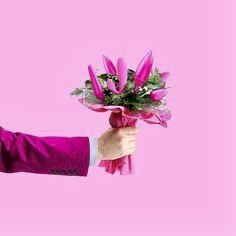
20	152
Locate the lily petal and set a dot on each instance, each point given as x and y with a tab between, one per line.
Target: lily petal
111	86
122	74
165	76
143	70
109	66
97	88
158	94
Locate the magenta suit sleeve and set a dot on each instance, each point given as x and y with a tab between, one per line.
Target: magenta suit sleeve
20	152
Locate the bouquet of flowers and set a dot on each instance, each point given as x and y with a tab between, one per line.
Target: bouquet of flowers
130	96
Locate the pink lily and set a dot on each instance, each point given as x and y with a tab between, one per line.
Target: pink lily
157	95
97	88
143	71
122	75
109	66
165	76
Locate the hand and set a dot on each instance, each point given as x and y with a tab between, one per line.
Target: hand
117	142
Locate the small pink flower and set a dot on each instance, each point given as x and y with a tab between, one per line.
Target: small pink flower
165	76
157	95
96	86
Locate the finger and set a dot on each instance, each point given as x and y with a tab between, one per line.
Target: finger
130	130
130	151
132	141
129	141
129	137
130	145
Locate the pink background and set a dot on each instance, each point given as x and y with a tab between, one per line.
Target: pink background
184	181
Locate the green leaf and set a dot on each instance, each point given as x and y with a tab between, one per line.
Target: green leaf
88	84
103	76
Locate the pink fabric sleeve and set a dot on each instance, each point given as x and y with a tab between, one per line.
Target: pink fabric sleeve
20	152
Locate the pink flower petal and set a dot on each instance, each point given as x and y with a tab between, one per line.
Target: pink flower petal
143	70
97	88
165	76
109	66
111	86
158	94
122	74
